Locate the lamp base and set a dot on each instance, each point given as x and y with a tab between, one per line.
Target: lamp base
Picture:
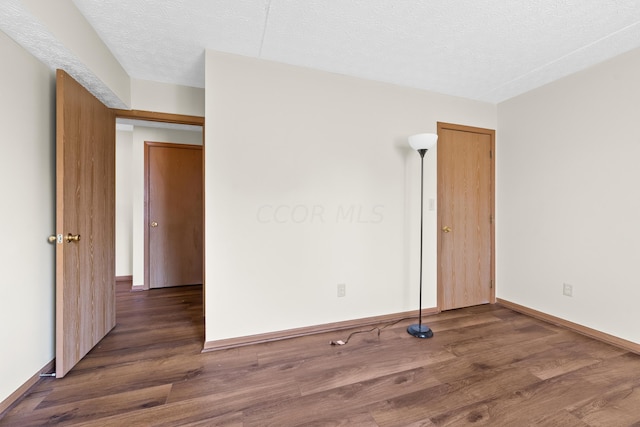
420	331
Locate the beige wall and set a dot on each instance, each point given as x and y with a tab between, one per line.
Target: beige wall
124	202
27	177
568	204
167	98
309	183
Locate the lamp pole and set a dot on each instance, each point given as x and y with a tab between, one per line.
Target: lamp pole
421	143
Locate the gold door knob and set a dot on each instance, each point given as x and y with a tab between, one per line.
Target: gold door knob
446	229
52	238
154	224
72	238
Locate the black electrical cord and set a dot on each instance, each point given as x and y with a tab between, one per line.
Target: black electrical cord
366	331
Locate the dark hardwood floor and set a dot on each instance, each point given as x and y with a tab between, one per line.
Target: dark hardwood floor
486	365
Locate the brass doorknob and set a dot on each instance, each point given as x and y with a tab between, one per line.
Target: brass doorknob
52	238
446	229
72	238
154	224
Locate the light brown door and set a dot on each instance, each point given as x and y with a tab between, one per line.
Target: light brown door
174	214
465	216
85	222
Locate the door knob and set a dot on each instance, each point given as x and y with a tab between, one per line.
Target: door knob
446	229
52	238
154	224
72	238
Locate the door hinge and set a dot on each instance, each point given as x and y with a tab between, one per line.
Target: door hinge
491	284
491	154
490	219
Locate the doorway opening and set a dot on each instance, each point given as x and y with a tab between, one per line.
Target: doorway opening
131	134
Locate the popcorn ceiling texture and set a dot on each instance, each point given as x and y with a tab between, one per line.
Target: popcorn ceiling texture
20	25
488	50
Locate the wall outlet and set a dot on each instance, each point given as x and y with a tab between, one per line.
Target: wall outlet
342	290
567	290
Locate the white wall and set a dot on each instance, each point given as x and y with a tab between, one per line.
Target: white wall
167	98
568	198
309	183
124	202
27	177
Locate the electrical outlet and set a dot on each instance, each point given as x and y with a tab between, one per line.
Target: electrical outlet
342	290
567	290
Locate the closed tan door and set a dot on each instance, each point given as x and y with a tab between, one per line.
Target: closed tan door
85	222
174	214
465	216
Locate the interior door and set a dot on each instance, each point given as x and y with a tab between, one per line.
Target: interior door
174	214
465	216
85	222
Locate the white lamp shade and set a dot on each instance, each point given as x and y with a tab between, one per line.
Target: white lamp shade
423	141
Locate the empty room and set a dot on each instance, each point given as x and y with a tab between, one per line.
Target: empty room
275	213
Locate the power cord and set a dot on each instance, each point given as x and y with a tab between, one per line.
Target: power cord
375	328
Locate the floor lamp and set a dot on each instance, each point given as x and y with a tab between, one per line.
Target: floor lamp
421	143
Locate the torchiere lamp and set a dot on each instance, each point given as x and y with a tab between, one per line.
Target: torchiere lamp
421	143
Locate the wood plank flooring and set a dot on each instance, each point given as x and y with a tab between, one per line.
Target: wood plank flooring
486	365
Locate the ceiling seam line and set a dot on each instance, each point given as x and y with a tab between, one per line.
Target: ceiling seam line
573	52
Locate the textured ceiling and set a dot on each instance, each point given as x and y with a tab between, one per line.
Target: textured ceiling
488	50
17	22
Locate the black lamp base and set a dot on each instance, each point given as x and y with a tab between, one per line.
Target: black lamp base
420	331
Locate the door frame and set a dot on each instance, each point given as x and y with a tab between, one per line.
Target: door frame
152	116
440	191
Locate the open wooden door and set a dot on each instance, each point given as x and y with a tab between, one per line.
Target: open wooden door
85	222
